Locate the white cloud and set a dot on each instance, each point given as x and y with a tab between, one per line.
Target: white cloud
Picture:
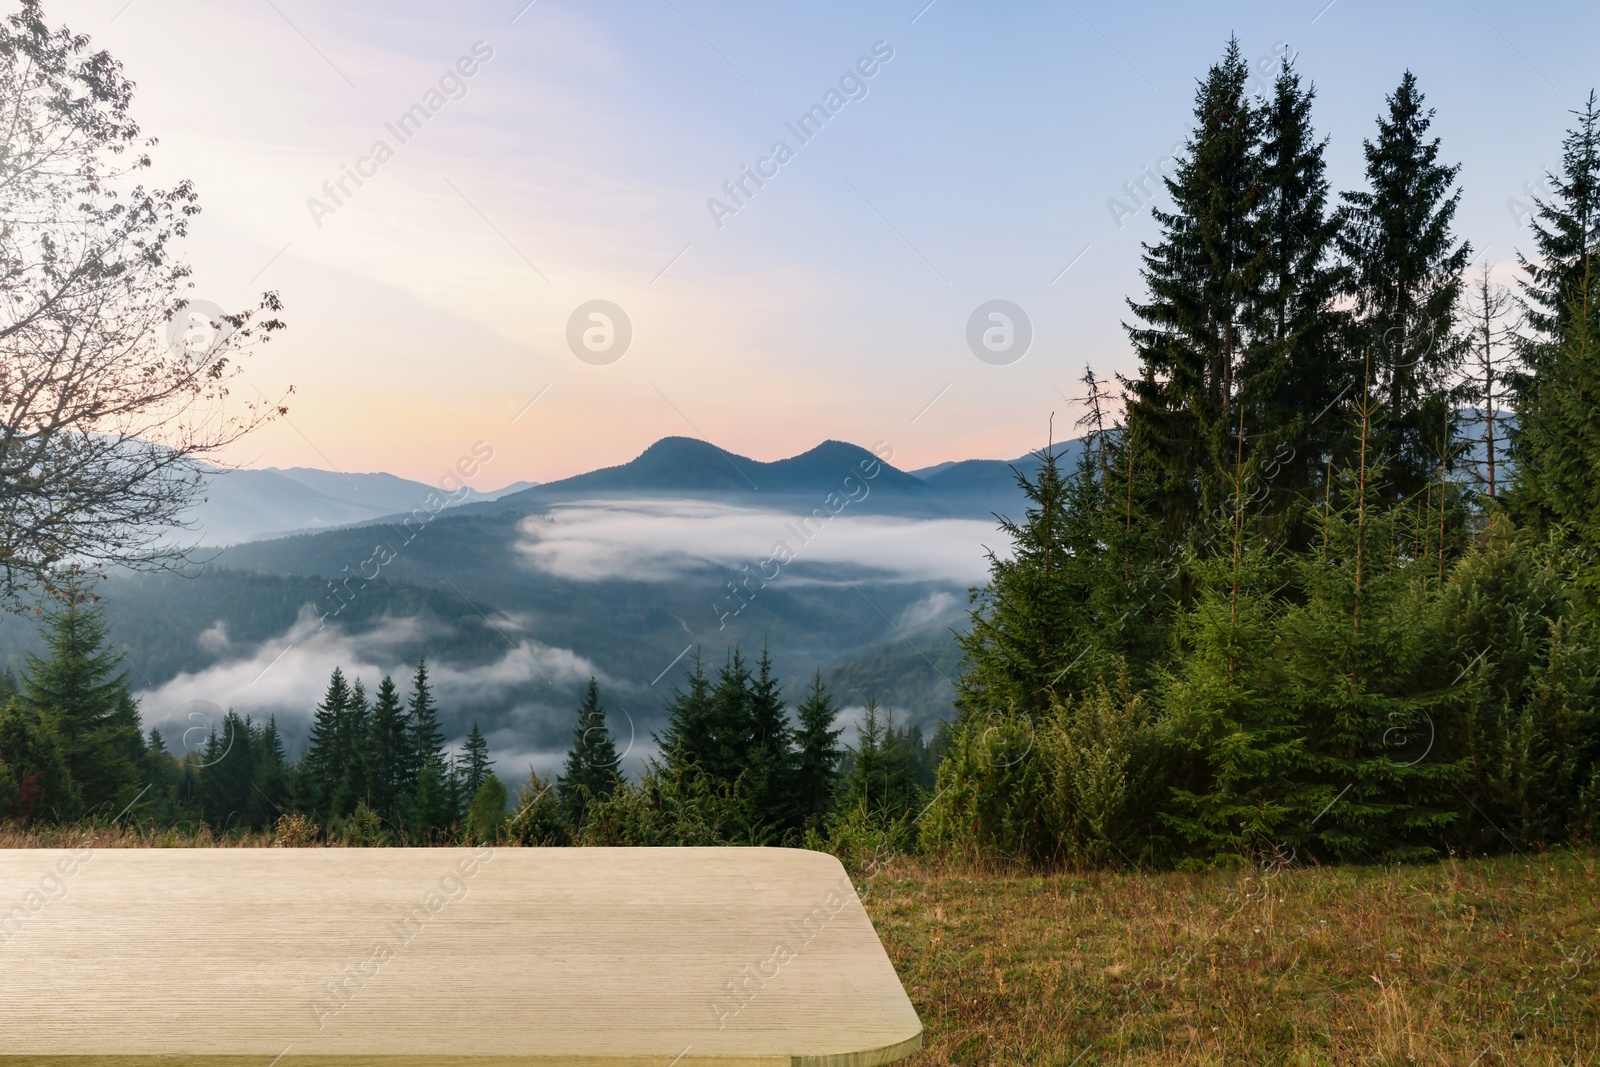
287	676
656	540
938	608
214	639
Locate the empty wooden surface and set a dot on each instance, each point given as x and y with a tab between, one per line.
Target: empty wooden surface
400	957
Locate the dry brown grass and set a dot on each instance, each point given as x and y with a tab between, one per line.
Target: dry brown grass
1468	962
1481	962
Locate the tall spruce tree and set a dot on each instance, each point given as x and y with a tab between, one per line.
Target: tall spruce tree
270	792
1202	277
473	766
228	775
322	769
1027	627
770	766
78	687
591	773
435	800
388	749
817	754
1557	453
1406	271
688	718
1296	369
353	788
1566	240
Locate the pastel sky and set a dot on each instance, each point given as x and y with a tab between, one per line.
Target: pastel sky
430	305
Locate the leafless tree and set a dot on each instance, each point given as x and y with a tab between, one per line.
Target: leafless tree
114	385
1488	371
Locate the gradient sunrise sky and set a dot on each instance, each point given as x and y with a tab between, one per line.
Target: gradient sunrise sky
980	160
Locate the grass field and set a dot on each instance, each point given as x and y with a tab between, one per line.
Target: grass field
1480	962
1468	962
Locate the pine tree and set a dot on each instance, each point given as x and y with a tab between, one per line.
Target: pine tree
473	766
78	689
1295	370
1202	278
486	816
228	769
590	773
1558	444
1406	277
353	756
818	754
1566	239
270	787
1028	622
688	717
770	765
388	749
1224	703
323	767
881	780
35	780
1359	650
435	797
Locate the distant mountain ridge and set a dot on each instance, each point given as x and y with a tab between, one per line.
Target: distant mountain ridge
248	505
689	467
243	505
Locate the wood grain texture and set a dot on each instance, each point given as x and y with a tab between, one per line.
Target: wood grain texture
442	957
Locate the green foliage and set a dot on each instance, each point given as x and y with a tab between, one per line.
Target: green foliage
817	754
362	828
78	688
1566	235
1557	442
539	819
672	805
486	815
1076	785
988	799
1027	618
35	777
591	769
388	753
1529	727
1202	277
1406	277
474	763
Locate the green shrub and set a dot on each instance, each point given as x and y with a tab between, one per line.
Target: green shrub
540	818
486	816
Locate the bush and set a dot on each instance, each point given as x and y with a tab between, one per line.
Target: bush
294	831
486	816
1076	784
540	818
362	828
671	807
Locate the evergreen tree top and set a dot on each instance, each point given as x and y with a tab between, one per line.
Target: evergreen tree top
78	682
1566	230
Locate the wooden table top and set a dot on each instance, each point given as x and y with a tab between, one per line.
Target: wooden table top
333	957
